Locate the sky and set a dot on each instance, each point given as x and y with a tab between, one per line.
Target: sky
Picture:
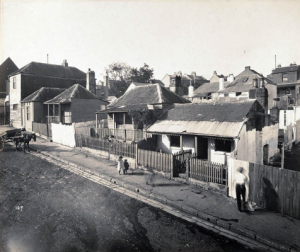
170	36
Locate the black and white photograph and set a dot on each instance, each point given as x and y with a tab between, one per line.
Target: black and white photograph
149	126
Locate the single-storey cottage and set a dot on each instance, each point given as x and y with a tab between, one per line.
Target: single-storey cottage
217	131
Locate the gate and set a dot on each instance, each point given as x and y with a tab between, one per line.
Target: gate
179	162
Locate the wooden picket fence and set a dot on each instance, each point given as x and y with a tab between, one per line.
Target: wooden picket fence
208	171
275	189
152	159
113	147
42	129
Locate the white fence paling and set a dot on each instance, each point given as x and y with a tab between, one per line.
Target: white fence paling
208	171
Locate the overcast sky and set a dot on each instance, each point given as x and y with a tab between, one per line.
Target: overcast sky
186	36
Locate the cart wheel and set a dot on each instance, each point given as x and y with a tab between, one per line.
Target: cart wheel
1	143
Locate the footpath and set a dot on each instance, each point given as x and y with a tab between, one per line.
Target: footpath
261	230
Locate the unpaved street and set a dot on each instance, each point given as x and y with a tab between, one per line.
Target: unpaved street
46	208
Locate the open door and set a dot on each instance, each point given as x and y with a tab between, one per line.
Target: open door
202	148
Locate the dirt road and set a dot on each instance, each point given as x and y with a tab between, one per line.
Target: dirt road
46	208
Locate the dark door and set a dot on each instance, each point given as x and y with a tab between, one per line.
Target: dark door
266	154
202	148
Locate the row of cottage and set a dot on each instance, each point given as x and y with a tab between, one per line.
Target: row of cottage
242	117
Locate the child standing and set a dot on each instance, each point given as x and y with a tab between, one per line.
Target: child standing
126	165
120	165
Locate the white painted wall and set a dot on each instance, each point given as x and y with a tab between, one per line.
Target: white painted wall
219	157
63	134
270	137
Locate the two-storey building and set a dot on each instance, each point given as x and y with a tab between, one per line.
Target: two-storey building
34	76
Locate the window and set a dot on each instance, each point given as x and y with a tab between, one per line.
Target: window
175	141
14	82
245	79
284	77
15	106
119	118
128	119
28	112
222	145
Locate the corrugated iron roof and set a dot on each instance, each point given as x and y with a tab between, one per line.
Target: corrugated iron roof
220	119
217	129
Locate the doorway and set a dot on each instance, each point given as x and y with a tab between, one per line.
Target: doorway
202	148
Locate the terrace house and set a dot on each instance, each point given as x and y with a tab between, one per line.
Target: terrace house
287	80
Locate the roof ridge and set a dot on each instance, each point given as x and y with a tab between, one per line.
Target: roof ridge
159	93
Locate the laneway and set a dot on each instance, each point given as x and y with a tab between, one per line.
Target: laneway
46	208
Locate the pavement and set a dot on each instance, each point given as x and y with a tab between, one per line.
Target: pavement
261	230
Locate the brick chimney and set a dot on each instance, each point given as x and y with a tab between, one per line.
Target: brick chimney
65	63
91	81
274	111
105	87
194	76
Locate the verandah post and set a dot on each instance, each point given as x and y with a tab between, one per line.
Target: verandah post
136	155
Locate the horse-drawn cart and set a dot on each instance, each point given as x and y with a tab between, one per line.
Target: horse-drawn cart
6	134
19	137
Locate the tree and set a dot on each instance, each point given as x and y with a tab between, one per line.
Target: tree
119	71
143	75
141	117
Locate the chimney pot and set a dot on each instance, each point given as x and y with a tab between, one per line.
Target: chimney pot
247	68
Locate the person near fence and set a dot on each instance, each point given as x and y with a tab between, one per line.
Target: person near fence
126	166
120	165
240	188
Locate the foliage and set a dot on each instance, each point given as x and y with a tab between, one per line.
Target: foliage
119	71
143	75
123	72
141	117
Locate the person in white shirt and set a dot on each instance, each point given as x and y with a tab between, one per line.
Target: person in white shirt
240	189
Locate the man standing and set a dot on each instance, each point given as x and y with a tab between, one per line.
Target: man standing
240	189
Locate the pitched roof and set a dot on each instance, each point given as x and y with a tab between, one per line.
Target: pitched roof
75	92
220	119
209	87
286	69
148	94
36	68
242	83
221	112
6	68
43	94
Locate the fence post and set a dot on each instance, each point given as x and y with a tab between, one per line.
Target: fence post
187	170
172	167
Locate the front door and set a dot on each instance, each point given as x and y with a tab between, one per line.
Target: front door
202	148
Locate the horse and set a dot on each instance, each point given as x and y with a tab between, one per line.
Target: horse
25	138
